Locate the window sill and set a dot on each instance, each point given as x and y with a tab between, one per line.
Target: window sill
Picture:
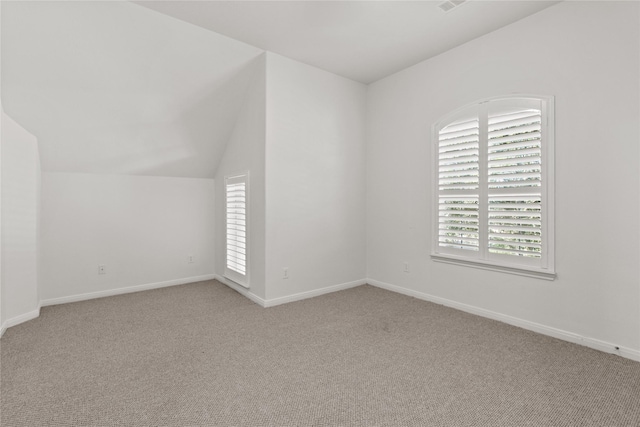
537	274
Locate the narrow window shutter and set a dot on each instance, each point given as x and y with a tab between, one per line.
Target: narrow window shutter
458	222
458	185
515	225
458	150
236	223
514	174
514	159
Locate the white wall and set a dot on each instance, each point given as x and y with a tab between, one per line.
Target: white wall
586	54
315	178
1	116
142	228
20	223
246	152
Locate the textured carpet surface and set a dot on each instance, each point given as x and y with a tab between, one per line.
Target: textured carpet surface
202	355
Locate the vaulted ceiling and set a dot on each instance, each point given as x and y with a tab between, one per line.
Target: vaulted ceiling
154	88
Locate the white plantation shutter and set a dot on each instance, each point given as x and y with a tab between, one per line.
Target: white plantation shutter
236	190
458	156
458	183
514	169
515	224
514	154
458	222
494	186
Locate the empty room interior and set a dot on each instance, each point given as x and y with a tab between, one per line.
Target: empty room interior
292	213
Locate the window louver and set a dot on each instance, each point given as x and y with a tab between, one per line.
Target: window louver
236	223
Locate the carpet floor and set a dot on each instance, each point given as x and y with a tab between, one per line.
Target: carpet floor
203	355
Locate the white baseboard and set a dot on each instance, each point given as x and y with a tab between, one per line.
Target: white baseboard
596	344
241	290
316	292
126	290
14	321
289	298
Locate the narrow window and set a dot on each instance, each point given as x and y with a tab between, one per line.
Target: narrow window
494	186
236	191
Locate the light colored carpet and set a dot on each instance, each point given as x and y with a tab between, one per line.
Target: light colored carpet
202	355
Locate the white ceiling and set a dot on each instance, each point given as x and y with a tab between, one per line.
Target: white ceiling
121	88
361	40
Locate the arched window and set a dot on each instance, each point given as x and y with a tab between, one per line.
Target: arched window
493	186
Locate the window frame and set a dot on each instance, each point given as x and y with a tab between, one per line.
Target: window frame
544	267
231	274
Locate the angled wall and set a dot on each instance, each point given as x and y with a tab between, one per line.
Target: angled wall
245	152
586	54
20	223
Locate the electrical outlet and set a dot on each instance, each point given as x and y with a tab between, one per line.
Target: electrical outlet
285	273
102	269
191	259
406	267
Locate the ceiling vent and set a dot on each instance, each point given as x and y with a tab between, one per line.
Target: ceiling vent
450	4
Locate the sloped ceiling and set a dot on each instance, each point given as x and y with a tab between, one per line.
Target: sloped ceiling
111	87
